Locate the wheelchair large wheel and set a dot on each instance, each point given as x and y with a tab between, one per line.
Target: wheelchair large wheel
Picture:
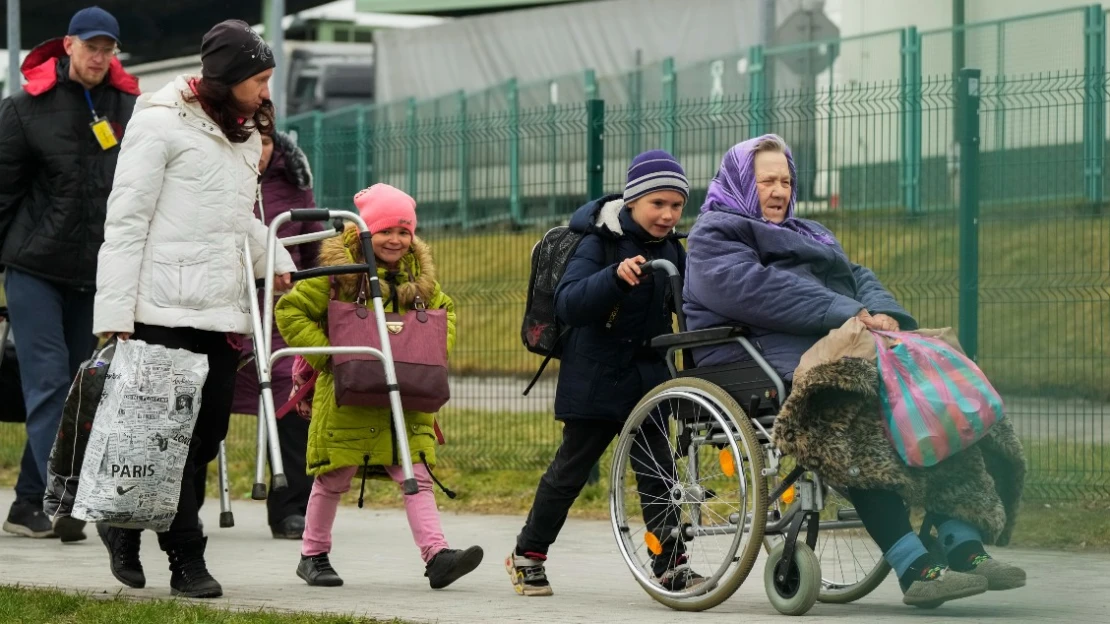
852	565
709	514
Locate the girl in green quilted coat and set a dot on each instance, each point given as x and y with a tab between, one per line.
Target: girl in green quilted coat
349	441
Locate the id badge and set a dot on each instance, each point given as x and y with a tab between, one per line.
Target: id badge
102	130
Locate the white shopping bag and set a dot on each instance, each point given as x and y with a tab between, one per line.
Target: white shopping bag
131	476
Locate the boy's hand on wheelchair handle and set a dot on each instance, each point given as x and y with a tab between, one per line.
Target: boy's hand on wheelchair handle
629	270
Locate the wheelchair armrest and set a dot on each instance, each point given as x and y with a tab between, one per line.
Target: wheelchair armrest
712	334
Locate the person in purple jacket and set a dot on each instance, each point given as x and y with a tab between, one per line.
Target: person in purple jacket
285	184
752	263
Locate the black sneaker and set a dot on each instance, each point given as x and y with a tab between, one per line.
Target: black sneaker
69	529
289	528
528	574
317	571
28	520
675	573
123	554
449	565
680	577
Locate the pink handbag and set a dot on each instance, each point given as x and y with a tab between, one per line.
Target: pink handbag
419	343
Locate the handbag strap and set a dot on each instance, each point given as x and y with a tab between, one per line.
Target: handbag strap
333	287
299	396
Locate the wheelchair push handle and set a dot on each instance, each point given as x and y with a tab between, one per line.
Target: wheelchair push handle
667	267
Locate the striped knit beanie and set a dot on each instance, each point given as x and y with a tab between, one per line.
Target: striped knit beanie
655	171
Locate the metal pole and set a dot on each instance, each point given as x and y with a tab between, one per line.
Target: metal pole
959	40
968	127
276	35
13	47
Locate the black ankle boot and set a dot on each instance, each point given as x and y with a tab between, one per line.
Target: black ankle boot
190	577
449	566
123	554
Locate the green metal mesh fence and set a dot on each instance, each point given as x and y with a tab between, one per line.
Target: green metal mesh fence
879	162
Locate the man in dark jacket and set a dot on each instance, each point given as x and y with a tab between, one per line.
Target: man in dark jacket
59	139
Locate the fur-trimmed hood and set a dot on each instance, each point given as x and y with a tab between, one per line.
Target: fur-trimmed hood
416	274
289	161
832	423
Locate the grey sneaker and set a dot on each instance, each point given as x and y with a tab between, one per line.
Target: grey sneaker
528	575
1000	576
939	585
317	571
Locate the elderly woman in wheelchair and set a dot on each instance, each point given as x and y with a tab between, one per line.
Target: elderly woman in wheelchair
762	287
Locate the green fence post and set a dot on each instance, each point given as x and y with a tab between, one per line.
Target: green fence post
968	128
670	101
1094	102
464	165
636	99
595	180
829	166
758	76
362	149
513	95
553	146
590	78
318	157
595	148
910	122
412	166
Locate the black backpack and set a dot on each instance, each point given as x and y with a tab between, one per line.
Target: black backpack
541	331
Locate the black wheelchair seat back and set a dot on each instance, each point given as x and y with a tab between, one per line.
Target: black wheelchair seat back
744	381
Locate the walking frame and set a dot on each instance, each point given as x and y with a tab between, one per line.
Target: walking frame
262	320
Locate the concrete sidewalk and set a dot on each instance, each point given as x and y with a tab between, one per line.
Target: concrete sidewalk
384	577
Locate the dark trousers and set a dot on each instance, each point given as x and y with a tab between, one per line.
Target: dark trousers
885	517
212	421
584	441
293	500
52	328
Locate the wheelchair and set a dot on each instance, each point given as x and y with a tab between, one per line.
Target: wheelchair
730	492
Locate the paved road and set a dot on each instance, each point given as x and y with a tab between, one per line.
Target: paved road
375	555
1035	418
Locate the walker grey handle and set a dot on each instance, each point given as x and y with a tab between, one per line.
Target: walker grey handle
310	214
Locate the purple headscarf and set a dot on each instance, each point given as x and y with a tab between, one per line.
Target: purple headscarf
734	189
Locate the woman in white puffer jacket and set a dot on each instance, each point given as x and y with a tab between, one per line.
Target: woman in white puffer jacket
171	267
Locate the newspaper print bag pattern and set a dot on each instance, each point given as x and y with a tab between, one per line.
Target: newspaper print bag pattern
131	476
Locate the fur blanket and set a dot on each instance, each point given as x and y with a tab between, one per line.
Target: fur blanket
831	424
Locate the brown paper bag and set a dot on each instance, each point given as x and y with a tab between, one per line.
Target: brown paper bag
854	340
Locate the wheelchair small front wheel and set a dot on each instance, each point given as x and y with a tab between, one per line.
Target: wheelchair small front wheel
793	590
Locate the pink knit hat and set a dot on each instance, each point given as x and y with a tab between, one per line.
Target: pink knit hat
382	207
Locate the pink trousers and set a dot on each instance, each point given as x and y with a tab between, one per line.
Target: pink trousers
420	508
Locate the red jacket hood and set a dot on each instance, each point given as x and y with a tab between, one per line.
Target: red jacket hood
41	70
